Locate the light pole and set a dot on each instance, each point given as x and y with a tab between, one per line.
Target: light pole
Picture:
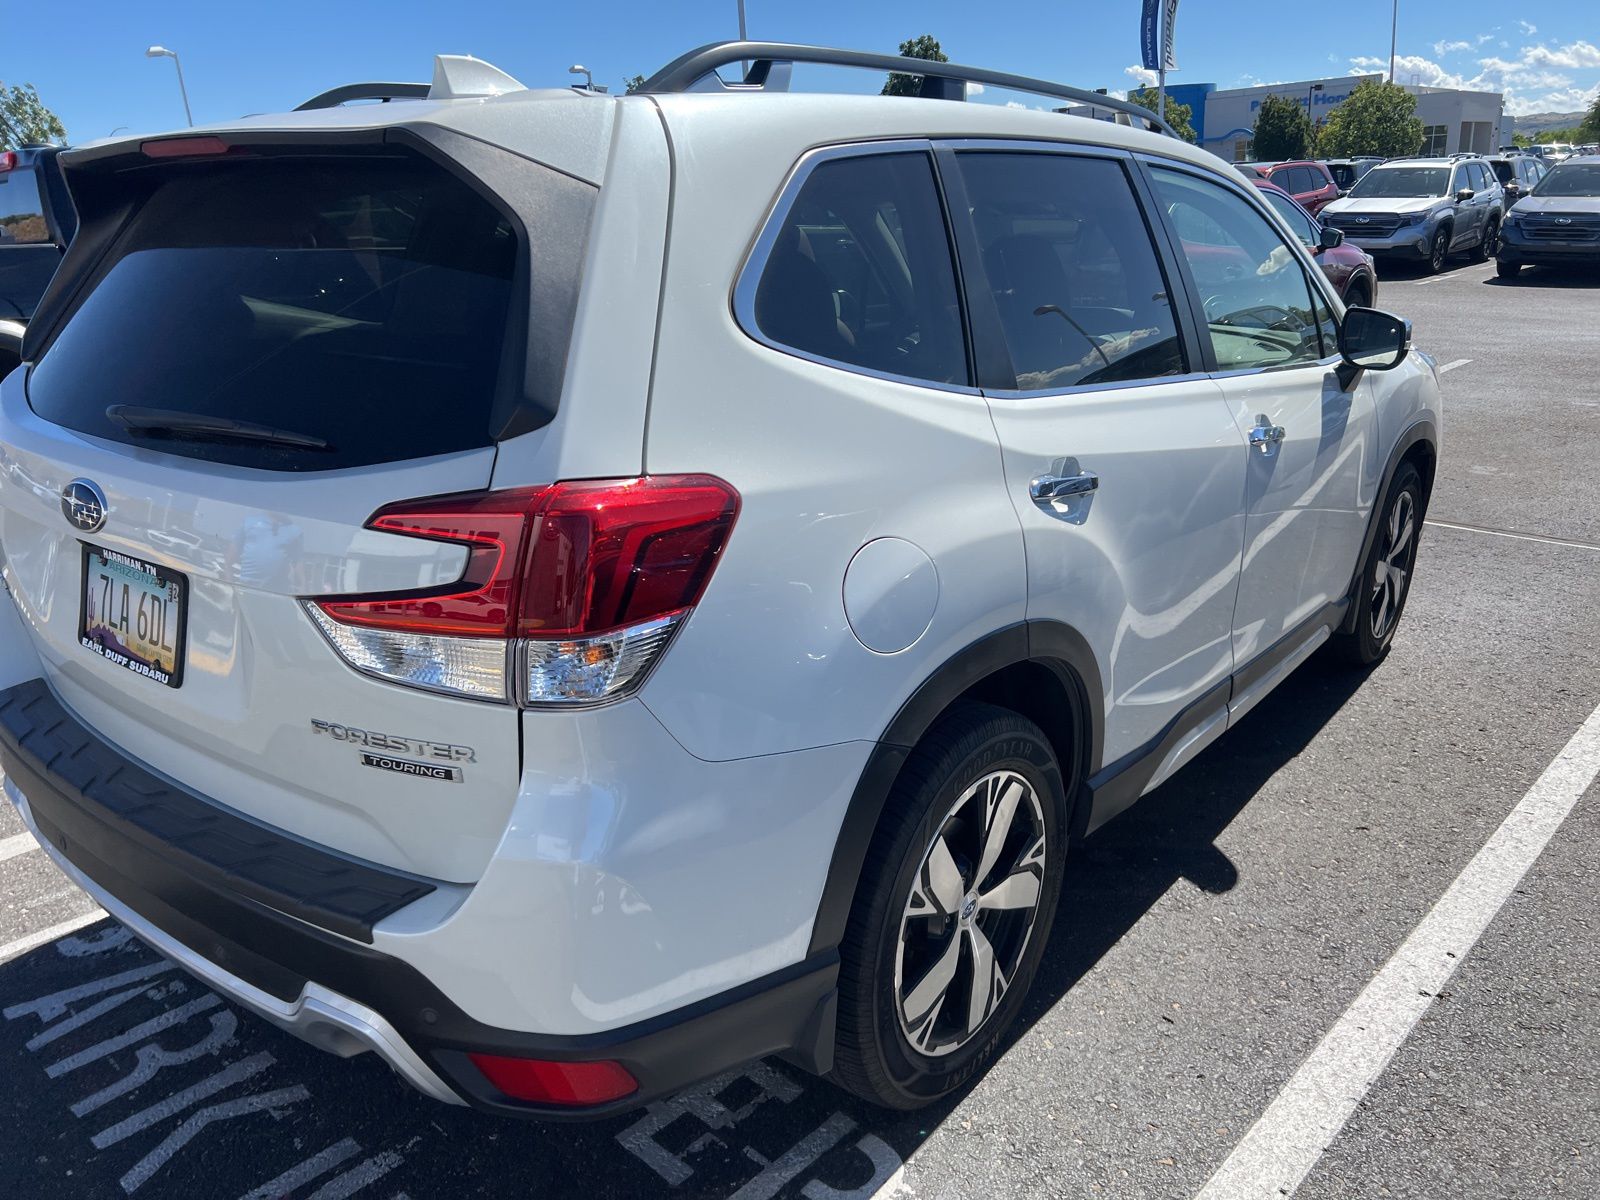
1394	29
1311	120
580	69
163	52
742	36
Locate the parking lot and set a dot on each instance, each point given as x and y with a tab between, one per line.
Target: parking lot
1208	941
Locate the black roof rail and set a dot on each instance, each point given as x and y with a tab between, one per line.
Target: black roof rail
770	64
334	97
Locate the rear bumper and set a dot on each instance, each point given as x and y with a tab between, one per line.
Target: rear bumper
330	988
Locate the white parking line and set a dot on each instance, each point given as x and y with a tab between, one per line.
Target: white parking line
22	945
1521	537
19	844
1277	1153
1451	366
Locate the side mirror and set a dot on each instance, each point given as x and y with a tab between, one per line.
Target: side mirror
1465	194
1331	238
1371	340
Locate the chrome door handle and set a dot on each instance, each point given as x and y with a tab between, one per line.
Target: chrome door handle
1049	489
1266	437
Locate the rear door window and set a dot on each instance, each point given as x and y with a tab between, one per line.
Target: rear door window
1075	277
357	303
858	271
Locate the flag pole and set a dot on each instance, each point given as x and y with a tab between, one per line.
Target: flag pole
1161	60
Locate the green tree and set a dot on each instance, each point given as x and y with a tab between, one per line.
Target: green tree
1376	118
1282	130
1521	139
1589	131
25	119
1547	136
1178	115
926	47
633	83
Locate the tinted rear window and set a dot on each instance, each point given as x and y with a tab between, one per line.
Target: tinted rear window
359	301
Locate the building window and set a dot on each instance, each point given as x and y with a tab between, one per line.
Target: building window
1435	139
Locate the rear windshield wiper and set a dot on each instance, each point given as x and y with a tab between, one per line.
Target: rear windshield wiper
173	422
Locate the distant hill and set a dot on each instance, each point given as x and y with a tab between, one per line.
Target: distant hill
1536	123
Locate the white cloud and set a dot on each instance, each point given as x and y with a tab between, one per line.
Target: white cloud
974	89
1141	76
1443	48
1527	29
1573	57
1536	78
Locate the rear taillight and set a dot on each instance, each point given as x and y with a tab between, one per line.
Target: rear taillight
570	592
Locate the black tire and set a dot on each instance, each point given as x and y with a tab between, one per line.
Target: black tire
1490	245
875	1057
1357	296
1507	270
1439	250
1380	602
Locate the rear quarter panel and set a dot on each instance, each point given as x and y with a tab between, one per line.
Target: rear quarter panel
826	460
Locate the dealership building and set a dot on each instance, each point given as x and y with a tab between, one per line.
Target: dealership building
1452	121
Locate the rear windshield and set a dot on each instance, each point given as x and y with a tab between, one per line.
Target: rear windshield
358	304
1344	174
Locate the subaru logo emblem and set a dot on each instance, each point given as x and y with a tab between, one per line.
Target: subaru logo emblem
1362	220
84	505
1563	220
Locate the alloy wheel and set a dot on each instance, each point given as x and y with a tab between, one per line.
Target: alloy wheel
1392	572
971	911
1441	243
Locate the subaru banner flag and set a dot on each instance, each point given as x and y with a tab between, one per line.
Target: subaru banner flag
1150	34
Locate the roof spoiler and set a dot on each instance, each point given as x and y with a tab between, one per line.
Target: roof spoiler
770	65
454	76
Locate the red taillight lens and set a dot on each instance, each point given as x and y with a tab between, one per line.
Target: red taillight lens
565	1083
8	160
184	147
610	554
569	595
566	560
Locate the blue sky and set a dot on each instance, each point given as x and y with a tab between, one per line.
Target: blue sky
242	56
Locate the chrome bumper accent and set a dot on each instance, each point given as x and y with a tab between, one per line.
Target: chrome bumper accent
318	1015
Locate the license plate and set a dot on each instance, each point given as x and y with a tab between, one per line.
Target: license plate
134	614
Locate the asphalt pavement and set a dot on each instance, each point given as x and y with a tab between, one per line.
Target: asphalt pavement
1208	942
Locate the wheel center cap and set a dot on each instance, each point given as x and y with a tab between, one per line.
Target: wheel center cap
970	907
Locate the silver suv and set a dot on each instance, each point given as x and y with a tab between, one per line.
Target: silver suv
1423	208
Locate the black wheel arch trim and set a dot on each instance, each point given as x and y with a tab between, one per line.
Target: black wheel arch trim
1052	645
1420	432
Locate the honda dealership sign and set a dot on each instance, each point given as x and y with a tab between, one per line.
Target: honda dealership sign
1151	34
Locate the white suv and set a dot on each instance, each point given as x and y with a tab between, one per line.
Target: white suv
572	593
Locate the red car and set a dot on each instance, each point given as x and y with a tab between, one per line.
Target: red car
1349	268
1310	183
